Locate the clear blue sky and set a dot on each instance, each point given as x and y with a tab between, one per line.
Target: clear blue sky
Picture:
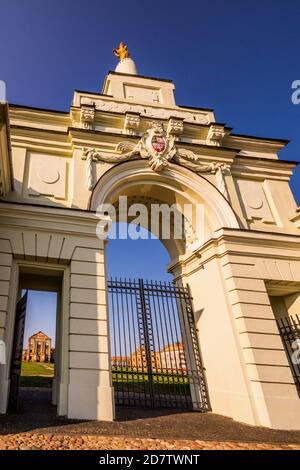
40	315
238	57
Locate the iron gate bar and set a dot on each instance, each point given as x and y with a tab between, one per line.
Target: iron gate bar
143	362
147	337
16	360
156	359
160	346
289	328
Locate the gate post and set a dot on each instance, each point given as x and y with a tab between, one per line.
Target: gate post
90	385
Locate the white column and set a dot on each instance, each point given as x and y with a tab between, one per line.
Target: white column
90	387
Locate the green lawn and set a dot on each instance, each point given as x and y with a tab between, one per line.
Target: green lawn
127	379
36	374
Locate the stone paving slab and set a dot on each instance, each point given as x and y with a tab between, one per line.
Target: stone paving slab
32	441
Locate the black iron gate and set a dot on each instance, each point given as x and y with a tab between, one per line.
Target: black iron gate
289	328
155	355
16	361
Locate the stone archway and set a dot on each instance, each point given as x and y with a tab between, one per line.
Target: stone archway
174	184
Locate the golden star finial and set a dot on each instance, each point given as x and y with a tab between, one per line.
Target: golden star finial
122	53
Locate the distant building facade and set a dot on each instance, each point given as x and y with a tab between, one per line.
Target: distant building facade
38	348
170	357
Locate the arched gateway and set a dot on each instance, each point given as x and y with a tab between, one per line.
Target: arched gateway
236	267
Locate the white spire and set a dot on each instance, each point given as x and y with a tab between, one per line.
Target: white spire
126	65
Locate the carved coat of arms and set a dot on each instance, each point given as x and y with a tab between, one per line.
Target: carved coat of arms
157	146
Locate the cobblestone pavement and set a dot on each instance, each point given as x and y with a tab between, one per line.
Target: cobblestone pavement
36	425
30	441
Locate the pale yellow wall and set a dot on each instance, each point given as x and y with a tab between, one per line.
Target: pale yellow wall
246	270
227	383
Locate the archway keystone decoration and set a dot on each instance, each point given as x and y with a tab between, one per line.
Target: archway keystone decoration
159	148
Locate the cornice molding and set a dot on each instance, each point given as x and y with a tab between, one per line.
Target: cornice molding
62	220
218	247
62	122
6	172
261	168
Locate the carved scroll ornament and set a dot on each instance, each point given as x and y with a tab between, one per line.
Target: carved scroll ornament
158	147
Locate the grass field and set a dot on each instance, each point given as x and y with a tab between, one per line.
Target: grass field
39	374
127	379
36	374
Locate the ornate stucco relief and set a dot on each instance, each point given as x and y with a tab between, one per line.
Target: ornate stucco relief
87	117
175	126
132	123
148	111
215	135
158	147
